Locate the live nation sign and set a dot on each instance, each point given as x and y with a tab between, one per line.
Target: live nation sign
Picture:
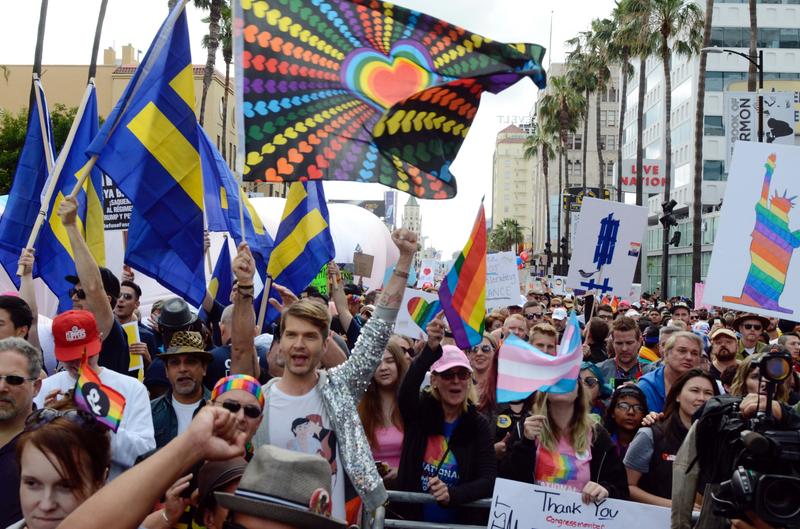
653	180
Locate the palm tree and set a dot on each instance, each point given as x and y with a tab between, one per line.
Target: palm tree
563	105
581	67
751	71
211	43
697	205
226	39
540	145
507	235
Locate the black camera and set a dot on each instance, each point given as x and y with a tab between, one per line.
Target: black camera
766	470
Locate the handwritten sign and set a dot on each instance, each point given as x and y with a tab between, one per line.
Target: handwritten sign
502	280
549	508
417	308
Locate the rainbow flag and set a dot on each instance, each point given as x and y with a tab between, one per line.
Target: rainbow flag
523	369
92	395
463	291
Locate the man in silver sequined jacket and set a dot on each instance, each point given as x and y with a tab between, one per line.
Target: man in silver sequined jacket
304	329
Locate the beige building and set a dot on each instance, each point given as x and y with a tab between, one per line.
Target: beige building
65	84
609	130
412	221
512	182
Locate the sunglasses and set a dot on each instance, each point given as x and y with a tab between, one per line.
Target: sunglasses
15	380
77	292
450	374
44	416
251	411
533	316
486	348
752	326
127	296
590	381
624	406
409	351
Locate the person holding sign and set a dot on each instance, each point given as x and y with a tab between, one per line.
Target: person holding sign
448	449
562	446
75	334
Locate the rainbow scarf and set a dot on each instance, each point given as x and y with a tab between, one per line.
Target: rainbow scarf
105	403
243	382
463	291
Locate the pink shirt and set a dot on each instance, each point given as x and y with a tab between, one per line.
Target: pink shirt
389	446
563	468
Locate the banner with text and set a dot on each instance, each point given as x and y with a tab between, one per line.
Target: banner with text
116	206
502	280
740	113
549	508
653	178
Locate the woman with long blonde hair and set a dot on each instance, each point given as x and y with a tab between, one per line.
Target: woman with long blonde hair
563	446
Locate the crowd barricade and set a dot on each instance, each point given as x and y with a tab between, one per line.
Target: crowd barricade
379	521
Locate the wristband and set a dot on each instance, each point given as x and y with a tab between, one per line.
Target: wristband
398	273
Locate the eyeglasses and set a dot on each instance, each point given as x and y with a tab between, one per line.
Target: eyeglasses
450	374
486	348
77	292
533	315
15	380
127	296
752	326
624	406
590	381
44	416
250	410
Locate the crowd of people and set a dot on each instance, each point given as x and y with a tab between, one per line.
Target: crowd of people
309	424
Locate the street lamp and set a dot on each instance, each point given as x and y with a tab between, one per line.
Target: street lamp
758	62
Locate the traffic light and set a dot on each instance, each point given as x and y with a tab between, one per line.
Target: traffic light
668	219
548	250
564	247
676	239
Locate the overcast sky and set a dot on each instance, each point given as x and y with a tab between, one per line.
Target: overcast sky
70	29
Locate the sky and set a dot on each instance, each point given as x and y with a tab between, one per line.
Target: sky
445	224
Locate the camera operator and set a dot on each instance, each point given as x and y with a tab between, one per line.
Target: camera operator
717	441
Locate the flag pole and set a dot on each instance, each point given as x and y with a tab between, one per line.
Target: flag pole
262	310
48	153
55	172
96	45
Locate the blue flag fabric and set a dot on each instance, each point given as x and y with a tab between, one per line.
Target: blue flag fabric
221	283
304	242
53	247
24	199
149	147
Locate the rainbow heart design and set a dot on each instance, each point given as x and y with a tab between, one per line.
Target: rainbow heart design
423	311
383	81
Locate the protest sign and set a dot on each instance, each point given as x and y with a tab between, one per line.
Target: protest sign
136	362
635	293
545	507
699	291
558	286
754	264
606	248
427	272
116	206
417	309
502	280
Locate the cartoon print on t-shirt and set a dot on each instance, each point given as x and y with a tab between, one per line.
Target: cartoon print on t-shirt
311	437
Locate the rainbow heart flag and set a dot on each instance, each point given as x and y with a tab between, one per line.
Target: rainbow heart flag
523	369
105	403
422	312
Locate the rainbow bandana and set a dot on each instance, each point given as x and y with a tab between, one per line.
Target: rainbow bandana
243	382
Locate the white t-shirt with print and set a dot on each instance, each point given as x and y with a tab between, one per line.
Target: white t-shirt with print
301	424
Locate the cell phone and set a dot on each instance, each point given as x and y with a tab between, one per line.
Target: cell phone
588	303
619	382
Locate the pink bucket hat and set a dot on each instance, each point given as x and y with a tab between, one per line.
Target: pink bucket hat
452	356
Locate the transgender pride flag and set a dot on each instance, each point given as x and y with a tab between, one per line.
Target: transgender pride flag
523	369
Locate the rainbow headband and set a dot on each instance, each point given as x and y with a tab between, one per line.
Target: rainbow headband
243	382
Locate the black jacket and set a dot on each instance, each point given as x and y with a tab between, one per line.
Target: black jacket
471	442
605	468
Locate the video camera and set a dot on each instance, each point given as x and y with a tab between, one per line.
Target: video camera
766	470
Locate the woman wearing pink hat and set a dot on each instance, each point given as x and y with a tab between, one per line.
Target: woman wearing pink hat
448	448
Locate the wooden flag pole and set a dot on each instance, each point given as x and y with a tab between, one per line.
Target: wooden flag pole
262	310
55	172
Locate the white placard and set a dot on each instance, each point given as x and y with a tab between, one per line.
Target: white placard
427	272
405	324
558	286
518	505
755	264
740	112
653	179
502	280
606	248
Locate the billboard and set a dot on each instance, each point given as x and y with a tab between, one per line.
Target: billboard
740	114
573	196
653	178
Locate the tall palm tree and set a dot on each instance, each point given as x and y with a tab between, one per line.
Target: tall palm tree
581	66
565	106
751	71
539	145
507	235
697	204
601	58
226	39
211	43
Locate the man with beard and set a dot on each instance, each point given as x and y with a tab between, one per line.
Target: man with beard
723	351
20	365
185	361
627	341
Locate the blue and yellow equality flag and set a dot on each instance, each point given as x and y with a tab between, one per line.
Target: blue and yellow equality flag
149	147
24	199
53	247
304	241
222	202
221	283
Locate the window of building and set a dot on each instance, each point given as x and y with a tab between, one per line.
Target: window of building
714	170
610	142
712	126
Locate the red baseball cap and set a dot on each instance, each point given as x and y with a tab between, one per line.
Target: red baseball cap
73	332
